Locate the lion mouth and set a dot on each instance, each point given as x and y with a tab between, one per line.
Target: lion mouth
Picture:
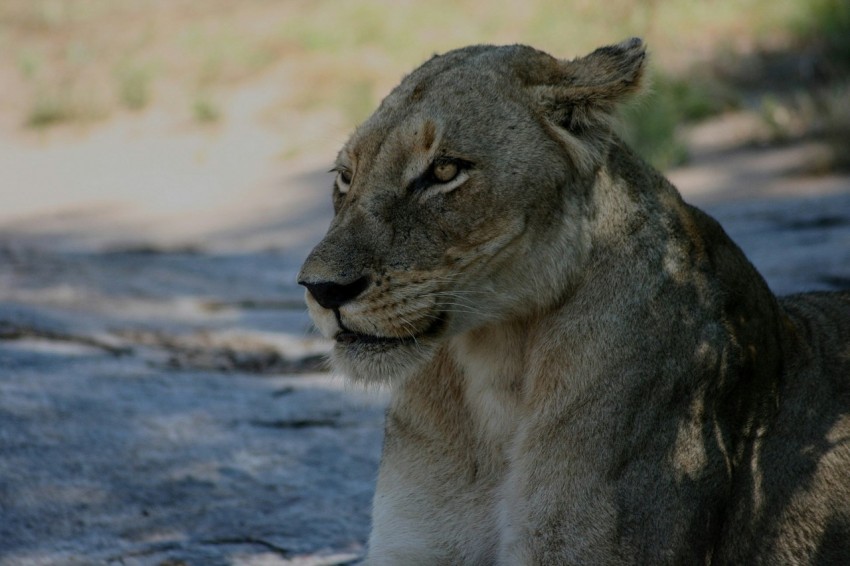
349	337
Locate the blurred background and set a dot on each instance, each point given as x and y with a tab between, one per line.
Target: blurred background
163	399
120	118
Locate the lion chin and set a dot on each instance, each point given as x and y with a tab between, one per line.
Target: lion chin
386	360
381	362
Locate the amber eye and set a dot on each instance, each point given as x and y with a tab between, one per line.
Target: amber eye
445	174
445	171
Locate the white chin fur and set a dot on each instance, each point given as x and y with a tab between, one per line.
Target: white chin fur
369	365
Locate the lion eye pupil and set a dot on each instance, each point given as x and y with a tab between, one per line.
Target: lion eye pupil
445	172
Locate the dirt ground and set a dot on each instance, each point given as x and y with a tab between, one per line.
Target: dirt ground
162	398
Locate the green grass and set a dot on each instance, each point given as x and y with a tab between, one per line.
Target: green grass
652	123
223	55
52	106
135	84
29	63
828	23
205	110
821	114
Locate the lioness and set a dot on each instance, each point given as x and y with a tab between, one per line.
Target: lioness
584	369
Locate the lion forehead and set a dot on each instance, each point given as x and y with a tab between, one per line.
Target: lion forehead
476	124
464	85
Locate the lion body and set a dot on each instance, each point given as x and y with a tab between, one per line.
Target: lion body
585	369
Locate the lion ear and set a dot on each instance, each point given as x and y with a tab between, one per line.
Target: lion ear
580	93
580	96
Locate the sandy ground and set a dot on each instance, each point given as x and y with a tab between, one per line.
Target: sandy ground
162	399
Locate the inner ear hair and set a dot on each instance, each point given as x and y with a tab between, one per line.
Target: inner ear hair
579	97
615	69
596	83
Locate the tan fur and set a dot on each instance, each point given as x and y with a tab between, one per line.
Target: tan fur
585	369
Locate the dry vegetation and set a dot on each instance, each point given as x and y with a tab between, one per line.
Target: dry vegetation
80	61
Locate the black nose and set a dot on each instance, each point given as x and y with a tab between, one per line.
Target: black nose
333	295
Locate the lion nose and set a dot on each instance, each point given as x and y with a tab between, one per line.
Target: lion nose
332	295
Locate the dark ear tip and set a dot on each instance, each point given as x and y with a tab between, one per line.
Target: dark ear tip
633	52
632	44
634	48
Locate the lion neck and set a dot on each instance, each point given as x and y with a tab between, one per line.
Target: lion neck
653	258
493	361
497	360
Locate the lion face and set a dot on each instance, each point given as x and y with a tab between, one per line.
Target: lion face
457	204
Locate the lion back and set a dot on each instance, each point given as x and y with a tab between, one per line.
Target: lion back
796	503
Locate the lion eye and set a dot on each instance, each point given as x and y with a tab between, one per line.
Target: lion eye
445	172
343	180
444	175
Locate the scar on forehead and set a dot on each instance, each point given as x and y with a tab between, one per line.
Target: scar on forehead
418	91
429	135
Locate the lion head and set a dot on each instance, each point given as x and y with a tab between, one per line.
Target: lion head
463	200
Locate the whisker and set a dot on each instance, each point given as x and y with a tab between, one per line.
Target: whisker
409	327
458	307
